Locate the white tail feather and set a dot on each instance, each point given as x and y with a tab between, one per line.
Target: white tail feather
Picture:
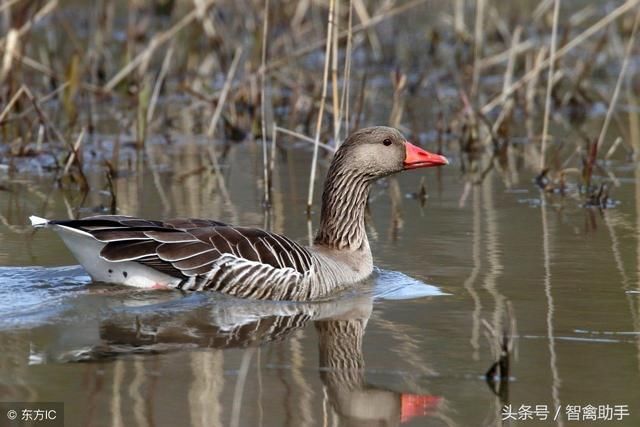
38	222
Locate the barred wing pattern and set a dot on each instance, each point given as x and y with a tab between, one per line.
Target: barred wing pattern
207	255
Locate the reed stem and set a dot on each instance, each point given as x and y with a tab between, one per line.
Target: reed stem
323	97
547	102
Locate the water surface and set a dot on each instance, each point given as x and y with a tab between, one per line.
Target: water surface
394	351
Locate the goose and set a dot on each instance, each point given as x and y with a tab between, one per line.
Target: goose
203	254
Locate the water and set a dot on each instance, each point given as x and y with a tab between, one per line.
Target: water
393	351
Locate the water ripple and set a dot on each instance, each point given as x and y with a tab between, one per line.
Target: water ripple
32	296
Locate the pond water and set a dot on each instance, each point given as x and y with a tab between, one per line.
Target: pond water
409	347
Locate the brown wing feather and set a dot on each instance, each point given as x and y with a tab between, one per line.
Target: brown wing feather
173	236
189	223
129	250
197	261
219	242
114	235
188	247
162	266
266	254
178	251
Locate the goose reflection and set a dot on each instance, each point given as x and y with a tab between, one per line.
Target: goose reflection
232	323
342	371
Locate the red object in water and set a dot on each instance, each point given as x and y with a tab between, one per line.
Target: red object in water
417	405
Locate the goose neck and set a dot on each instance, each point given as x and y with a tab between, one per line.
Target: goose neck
344	201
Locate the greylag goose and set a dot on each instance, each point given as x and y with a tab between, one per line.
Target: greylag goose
200	254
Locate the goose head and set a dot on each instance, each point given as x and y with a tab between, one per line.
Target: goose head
381	151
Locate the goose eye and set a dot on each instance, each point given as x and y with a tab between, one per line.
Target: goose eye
387	142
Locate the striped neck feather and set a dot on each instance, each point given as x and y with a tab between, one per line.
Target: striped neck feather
344	201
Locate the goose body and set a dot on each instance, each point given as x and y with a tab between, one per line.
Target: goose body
199	254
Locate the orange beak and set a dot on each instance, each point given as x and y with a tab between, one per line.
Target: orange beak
416	157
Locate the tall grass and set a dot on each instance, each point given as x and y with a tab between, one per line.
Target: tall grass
318	69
